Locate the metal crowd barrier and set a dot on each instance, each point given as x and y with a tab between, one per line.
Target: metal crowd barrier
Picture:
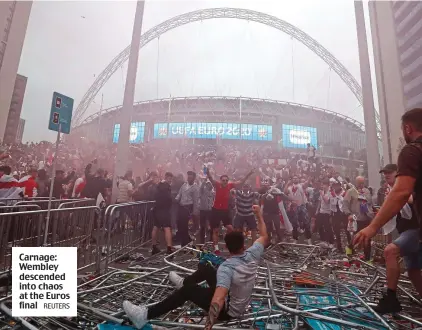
13	201
67	227
78	203
292	291
126	227
55	203
19	208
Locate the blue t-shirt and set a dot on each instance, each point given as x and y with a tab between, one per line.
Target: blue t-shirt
237	274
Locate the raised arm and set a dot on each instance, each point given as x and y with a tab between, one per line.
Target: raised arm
147	183
210	177
242	182
263	234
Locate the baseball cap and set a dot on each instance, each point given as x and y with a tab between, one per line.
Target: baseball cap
389	168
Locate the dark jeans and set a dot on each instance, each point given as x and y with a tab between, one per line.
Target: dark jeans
367	248
324	228
190	291
273	224
183	217
299	218
339	222
204	221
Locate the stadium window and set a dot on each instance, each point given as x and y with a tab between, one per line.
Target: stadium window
116	133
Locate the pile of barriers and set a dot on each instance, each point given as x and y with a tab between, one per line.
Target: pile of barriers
297	286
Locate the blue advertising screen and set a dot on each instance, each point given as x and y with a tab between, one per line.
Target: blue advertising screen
299	136
227	131
137	131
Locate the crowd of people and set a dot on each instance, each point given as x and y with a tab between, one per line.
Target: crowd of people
231	186
338	205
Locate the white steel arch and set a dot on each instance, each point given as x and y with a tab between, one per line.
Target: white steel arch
212	13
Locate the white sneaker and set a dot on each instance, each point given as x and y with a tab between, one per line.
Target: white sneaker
137	314
176	280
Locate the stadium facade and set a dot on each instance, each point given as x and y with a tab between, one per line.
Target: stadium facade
239	119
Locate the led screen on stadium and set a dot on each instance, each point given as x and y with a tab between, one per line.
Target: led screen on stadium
226	131
299	136
137	131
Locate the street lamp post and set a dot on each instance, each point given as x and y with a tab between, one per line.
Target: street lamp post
128	99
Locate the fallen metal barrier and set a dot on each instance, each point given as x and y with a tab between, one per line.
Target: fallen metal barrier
297	286
67	227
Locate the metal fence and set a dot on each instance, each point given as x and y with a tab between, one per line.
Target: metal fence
42	202
67	227
56	203
13	201
126	227
101	237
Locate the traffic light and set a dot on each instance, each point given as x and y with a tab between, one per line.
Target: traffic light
56	117
58	102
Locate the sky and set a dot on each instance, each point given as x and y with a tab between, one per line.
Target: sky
69	43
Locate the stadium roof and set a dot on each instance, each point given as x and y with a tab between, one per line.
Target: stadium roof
217	108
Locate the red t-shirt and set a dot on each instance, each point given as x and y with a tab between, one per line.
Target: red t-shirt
222	195
30	187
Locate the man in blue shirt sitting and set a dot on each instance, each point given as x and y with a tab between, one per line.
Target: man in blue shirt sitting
229	287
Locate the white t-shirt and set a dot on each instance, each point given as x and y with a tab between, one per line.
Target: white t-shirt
311	151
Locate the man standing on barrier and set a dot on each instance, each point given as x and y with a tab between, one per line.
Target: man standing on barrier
245	199
298	214
358	202
162	216
229	288
273	206
408	181
206	198
220	211
188	198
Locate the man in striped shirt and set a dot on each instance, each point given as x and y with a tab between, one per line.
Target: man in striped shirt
245	199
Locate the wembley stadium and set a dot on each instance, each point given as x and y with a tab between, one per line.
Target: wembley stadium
230	120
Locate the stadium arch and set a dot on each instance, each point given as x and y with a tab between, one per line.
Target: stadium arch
214	13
